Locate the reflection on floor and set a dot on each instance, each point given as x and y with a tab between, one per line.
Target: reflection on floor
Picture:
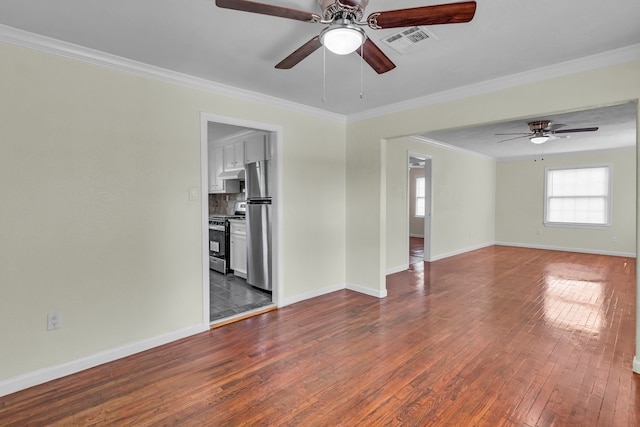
416	250
231	295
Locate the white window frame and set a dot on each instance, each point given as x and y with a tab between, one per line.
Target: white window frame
608	203
417	197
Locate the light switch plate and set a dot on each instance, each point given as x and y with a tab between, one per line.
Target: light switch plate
193	193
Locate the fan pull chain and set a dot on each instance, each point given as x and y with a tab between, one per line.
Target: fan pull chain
324	73
541	150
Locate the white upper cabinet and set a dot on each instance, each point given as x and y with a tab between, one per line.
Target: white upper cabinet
233	154
217	185
215	168
230	154
256	147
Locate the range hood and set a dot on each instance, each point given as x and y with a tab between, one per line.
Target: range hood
239	174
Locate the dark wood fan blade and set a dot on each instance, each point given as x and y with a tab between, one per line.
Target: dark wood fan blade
375	57
576	130
452	13
267	9
302	52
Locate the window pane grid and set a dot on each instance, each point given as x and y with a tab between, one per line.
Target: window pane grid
578	196
578	182
420	204
582	210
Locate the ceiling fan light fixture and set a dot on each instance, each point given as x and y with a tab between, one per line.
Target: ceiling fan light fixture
539	139
343	39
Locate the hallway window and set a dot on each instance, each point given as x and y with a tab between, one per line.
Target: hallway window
420	196
578	196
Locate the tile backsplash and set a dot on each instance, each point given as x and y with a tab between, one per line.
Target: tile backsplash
223	204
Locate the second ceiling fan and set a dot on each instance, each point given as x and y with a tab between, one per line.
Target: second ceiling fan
344	35
541	131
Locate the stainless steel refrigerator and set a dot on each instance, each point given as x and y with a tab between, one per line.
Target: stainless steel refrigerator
259	214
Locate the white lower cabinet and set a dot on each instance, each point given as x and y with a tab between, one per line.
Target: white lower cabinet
238	247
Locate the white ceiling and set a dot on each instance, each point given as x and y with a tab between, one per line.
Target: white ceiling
240	49
616	129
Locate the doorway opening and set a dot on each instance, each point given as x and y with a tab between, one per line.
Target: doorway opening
239	261
419	207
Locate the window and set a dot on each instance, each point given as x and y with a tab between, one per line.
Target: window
578	196
420	196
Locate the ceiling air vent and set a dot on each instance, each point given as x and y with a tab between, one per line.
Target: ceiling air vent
409	39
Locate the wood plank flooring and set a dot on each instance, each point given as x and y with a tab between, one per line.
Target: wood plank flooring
496	337
416	250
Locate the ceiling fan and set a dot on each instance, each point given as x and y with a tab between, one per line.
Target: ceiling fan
543	130
344	35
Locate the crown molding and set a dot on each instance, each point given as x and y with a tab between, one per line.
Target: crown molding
446	146
450	147
587	63
629	148
53	46
236	135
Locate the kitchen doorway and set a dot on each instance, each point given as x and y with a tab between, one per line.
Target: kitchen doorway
230	288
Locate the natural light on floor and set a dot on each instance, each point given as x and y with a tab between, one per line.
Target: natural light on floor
574	304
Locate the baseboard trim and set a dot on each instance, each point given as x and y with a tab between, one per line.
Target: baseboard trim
367	291
337	287
560	248
308	295
421	236
461	251
44	375
397	269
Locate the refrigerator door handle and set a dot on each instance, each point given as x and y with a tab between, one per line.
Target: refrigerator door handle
259	201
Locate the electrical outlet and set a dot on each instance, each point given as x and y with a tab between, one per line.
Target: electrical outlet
53	321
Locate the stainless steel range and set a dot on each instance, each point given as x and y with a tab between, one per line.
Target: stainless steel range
219	239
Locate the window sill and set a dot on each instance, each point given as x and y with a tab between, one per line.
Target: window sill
575	225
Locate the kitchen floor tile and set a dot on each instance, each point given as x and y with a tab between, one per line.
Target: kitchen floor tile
231	295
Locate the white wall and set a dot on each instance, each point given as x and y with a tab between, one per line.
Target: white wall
463	210
96	222
520	199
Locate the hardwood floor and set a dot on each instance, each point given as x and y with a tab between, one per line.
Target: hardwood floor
497	336
416	250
